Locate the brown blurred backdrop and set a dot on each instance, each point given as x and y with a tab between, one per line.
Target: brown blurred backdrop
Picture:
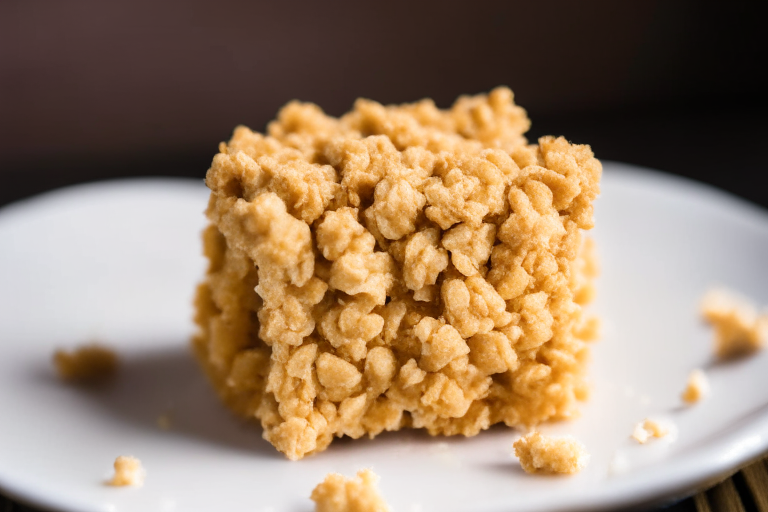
94	89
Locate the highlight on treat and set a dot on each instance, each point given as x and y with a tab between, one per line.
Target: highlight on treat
548	454
359	494
739	329
697	387
128	472
649	428
397	267
86	364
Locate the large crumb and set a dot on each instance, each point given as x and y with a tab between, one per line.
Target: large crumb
400	266
86	364
697	387
649	428
544	454
358	494
128	471
739	330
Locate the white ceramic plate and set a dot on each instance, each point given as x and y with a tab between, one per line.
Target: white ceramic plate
118	262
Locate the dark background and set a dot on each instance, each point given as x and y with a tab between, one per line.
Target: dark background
92	90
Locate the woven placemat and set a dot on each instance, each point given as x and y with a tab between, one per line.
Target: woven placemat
744	491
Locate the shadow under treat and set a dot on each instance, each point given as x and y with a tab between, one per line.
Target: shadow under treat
167	385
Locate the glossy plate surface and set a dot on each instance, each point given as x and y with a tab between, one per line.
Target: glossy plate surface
118	261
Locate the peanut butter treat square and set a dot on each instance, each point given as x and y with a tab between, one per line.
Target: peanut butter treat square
128	472
399	266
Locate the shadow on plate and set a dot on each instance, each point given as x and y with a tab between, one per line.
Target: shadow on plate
513	468
166	392
167	385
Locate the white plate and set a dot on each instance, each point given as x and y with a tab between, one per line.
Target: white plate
118	261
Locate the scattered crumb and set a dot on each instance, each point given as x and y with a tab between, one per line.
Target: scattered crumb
697	387
543	454
86	364
359	494
164	422
639	434
656	428
128	471
647	428
739	330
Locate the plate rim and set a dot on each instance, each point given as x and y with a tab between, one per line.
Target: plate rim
658	483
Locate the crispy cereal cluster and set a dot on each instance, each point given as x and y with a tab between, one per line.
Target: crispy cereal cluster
400	266
359	494
88	364
128	471
739	329
545	454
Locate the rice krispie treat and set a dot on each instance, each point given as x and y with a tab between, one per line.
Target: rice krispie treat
399	266
649	428
697	387
87	364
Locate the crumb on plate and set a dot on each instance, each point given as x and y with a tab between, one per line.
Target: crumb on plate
639	434
697	387
739	329
547	454
86	364
359	494
647	428
128	472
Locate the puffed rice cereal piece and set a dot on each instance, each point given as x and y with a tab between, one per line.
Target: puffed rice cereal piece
545	454
649	428
86	364
128	472
359	494
400	266
739	329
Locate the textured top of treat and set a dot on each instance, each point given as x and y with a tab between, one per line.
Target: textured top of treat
309	159
458	162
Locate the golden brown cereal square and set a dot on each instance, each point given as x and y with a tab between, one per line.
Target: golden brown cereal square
399	266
